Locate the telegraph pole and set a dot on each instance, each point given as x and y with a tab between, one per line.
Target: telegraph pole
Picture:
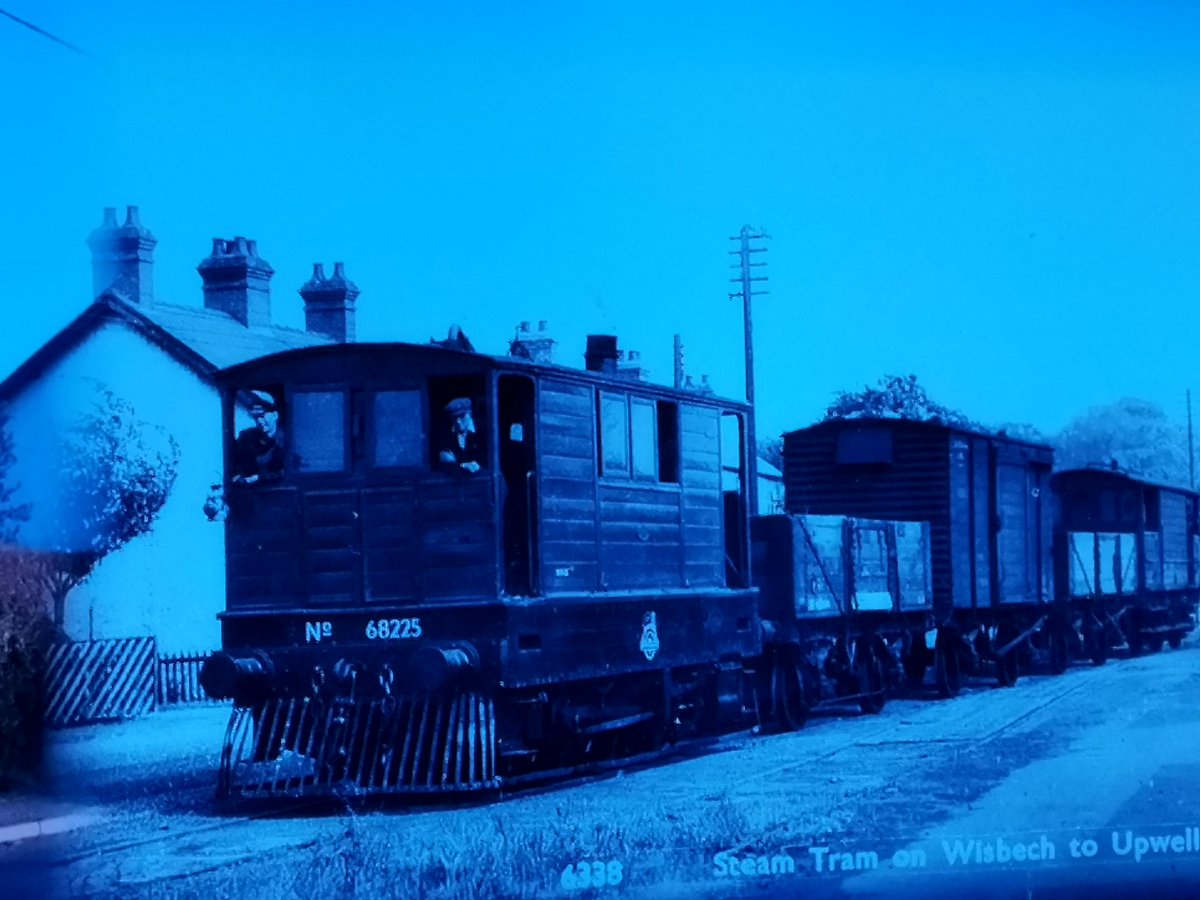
746	278
1191	451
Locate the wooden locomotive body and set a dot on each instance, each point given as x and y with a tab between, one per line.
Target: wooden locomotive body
419	603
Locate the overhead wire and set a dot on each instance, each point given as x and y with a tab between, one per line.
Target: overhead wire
47	34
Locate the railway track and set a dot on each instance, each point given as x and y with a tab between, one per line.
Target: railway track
173	854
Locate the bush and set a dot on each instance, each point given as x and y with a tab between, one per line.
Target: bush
25	634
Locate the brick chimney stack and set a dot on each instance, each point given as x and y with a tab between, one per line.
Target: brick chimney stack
329	303
237	281
537	347
123	257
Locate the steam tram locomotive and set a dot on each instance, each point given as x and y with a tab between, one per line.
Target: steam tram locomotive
463	571
399	621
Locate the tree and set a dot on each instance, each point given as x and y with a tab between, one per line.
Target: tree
10	514
24	631
771	450
895	397
1136	434
118	473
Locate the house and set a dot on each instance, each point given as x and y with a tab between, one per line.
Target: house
159	358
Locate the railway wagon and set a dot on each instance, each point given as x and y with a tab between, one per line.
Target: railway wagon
986	498
1127	557
844	601
463	570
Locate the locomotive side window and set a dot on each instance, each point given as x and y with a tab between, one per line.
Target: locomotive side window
731	452
639	438
260	449
644	431
398	428
1153	509
457	439
668	442
614	435
319	430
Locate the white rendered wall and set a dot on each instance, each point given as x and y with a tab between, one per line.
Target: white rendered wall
169	583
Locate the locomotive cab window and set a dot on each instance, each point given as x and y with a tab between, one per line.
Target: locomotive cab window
1153	509
458	429
319	430
399	437
261	446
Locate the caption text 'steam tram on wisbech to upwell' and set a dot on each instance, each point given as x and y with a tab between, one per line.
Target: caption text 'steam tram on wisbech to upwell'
449	571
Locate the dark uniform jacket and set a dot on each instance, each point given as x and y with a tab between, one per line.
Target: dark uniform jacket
256	454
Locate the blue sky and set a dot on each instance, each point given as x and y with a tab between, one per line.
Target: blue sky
1003	199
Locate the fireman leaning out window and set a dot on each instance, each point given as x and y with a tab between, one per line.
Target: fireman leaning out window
260	449
460	449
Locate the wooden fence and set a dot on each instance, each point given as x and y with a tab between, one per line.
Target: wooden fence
179	679
95	681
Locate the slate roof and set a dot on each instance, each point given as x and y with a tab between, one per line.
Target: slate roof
203	340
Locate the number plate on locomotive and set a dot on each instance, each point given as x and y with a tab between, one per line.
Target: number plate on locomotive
356	629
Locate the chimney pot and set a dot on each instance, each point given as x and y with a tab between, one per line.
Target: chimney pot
123	257
329	303
538	349
237	281
542	323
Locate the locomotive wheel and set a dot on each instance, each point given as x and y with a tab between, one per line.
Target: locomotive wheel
947	666
872	682
1175	640
1060	651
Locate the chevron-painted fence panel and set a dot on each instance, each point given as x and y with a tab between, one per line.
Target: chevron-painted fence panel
94	681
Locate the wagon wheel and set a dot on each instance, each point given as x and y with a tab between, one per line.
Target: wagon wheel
1060	649
1138	646
915	669
947	665
790	697
872	680
1175	640
916	662
1008	666
1095	639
